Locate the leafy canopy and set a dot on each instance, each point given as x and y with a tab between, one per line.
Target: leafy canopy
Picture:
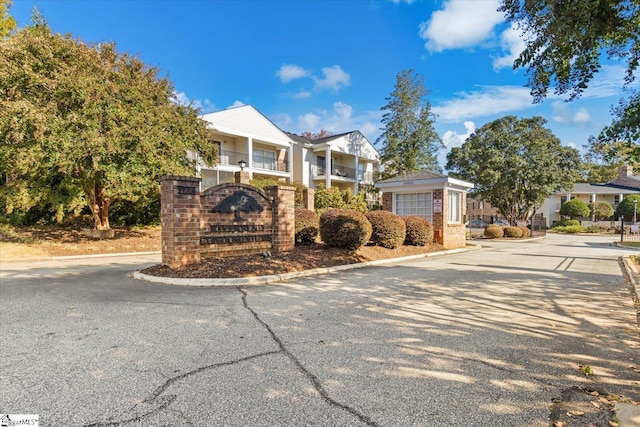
85	125
566	42
409	140
7	23
601	210
515	165
575	208
627	208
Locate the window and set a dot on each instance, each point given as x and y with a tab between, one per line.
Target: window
263	159
414	204
454	207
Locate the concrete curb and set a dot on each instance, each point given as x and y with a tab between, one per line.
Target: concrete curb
263	280
632	274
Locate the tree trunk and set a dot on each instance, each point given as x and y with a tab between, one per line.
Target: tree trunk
100	208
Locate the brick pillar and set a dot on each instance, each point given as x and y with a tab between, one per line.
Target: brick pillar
242	177
308	200
439	219
180	219
387	201
284	230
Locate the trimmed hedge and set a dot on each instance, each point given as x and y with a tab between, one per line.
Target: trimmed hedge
389	230
512	231
345	228
526	232
566	223
307	224
419	231
493	231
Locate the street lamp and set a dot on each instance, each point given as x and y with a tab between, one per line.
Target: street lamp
635	206
242	164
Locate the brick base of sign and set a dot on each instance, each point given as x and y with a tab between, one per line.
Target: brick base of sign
224	220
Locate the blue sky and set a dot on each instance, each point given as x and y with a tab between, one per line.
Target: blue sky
328	64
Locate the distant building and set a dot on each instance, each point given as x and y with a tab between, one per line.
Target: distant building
614	192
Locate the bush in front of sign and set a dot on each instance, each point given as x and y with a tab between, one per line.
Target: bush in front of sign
389	229
345	228
307	224
419	231
512	231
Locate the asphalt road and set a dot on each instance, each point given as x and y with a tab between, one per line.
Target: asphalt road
482	338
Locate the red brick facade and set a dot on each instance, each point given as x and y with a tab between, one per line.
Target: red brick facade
448	235
225	220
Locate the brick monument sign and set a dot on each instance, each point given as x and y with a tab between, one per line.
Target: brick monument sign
224	220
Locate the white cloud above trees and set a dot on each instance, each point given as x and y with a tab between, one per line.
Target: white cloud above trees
460	24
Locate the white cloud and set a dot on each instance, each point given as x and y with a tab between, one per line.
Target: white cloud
205	106
340	118
461	24
581	116
453	139
236	103
512	43
283	120
488	101
335	78
302	94
289	72
309	121
562	114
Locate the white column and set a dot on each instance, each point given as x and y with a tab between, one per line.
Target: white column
355	186
290	164
327	172
250	150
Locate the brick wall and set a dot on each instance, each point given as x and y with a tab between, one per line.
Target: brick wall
225	220
387	201
180	219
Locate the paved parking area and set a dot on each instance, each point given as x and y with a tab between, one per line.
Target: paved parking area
487	337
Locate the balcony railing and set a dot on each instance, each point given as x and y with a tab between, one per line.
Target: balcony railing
227	157
365	176
269	164
232	158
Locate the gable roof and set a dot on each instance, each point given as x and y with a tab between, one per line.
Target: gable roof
246	121
630	182
414	176
422	179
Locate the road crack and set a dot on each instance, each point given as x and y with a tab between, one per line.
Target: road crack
165	400
315	381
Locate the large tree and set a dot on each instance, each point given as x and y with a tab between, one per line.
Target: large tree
86	125
566	42
409	140
515	165
7	23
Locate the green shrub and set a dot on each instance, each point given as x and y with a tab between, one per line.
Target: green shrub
262	183
334	198
493	231
345	228
566	223
575	208
572	229
307	225
626	207
601	210
512	231
526	232
594	229
419	231
389	230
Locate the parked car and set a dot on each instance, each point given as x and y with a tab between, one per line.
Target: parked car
476	223
502	222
